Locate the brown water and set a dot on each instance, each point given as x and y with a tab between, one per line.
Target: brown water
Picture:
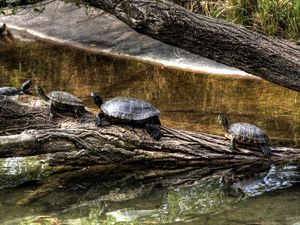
187	101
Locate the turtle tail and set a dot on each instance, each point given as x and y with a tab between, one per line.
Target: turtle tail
266	150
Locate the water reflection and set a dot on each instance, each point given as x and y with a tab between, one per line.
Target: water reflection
140	196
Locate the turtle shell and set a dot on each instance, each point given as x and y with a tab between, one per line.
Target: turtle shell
9	91
65	98
248	133
129	109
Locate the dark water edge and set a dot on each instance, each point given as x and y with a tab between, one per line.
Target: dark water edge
248	194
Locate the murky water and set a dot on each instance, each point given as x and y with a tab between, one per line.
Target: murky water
187	101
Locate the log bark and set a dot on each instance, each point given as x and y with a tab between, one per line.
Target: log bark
27	131
269	58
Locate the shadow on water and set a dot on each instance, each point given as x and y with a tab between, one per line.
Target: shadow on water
247	194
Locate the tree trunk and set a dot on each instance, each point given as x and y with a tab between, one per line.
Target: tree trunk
27	131
269	58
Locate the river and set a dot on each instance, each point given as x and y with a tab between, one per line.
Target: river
187	100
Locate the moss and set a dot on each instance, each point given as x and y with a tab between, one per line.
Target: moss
18	170
272	17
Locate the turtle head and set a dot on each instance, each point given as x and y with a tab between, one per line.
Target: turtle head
222	118
25	86
40	92
97	99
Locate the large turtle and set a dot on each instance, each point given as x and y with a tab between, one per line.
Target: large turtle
62	101
245	133
14	91
130	111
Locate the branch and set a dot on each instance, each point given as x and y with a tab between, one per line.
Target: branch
269	58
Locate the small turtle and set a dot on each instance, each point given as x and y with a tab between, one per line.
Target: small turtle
62	101
14	91
129	111
245	133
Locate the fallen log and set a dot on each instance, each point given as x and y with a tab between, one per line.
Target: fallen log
27	131
269	58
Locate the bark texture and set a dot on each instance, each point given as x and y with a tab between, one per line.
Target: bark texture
27	131
269	58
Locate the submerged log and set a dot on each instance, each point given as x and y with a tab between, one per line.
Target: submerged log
269	58
27	131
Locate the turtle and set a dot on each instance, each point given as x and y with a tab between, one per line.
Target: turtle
62	101
130	111
245	133
14	91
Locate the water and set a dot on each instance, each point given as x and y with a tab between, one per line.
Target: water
141	196
97	195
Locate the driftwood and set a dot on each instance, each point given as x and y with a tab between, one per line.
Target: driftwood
27	131
271	59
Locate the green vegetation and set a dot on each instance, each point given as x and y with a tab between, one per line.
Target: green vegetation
272	17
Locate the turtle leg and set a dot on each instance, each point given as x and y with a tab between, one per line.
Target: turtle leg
131	128
101	120
153	127
232	146
266	150
52	111
154	131
79	113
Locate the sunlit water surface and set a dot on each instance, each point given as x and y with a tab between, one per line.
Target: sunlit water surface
187	101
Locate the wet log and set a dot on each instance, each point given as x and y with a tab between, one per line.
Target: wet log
269	58
27	131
